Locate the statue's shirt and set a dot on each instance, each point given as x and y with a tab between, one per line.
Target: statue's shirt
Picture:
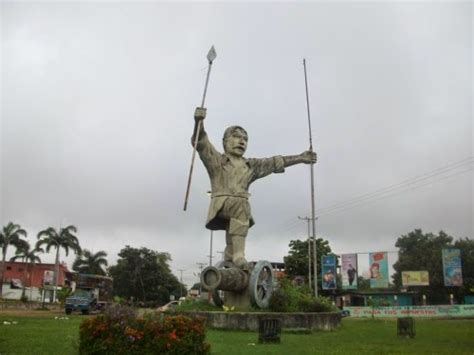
232	181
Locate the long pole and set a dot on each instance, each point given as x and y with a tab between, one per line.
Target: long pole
209	296
210	57
209	193
201	266
210	249
313	217
307	219
181	282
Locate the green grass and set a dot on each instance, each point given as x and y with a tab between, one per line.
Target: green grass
357	336
40	335
43	334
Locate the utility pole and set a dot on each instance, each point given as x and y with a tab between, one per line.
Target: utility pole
209	193
181	282
307	219
222	253
201	266
210	249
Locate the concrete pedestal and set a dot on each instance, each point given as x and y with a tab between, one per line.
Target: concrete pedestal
241	300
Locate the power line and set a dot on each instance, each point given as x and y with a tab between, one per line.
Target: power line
388	191
397	186
349	206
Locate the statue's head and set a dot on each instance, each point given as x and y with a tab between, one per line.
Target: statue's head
235	141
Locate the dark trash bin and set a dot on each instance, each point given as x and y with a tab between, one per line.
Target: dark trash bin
269	330
406	327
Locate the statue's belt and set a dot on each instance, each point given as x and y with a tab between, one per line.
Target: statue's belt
245	195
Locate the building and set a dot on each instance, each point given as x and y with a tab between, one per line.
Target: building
33	275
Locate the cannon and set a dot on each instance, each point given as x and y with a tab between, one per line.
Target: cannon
241	287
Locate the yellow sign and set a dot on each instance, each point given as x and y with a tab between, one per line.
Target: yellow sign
415	278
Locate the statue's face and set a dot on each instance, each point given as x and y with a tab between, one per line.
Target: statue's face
236	143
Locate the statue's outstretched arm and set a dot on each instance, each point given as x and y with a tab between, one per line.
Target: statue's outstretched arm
306	157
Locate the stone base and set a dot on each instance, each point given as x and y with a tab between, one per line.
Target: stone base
240	300
250	320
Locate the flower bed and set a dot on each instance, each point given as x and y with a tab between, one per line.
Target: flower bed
120	331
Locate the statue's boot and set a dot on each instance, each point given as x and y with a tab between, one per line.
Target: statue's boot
238	257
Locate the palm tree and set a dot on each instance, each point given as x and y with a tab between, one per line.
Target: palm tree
90	263
30	257
65	239
10	235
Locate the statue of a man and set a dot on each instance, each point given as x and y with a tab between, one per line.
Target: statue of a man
231	175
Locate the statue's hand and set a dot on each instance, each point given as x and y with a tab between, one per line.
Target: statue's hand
309	157
200	114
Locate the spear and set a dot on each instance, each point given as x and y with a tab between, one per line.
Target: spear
210	58
313	217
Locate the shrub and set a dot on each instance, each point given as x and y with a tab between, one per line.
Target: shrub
119	331
312	304
279	301
197	305
289	298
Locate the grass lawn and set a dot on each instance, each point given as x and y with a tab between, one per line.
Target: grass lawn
39	333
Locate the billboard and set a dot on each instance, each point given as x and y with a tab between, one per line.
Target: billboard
452	271
349	271
378	270
328	271
415	278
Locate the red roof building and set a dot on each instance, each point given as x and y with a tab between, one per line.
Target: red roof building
33	275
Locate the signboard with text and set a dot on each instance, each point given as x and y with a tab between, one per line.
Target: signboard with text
415	278
412	311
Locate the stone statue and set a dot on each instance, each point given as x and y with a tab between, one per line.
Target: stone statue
231	175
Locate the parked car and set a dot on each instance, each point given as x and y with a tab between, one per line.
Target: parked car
345	313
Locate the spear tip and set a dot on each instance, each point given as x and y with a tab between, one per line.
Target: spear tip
211	55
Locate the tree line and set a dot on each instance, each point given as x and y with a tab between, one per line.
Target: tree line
140	273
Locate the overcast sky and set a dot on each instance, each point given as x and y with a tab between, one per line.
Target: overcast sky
97	113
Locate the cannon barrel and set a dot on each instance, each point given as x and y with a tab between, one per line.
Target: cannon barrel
230	279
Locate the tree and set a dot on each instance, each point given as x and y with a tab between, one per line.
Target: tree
90	263
363	284
64	238
467	259
10	235
296	262
145	275
419	251
29	256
